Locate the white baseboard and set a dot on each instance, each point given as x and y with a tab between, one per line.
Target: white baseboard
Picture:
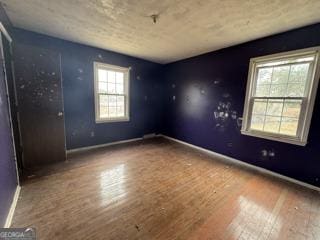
102	145
13	207
236	161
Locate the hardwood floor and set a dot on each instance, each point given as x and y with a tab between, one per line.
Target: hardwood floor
158	189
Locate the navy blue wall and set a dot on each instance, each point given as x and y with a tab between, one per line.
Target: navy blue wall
199	86
188	92
77	74
8	179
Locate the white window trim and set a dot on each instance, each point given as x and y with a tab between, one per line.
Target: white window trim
306	108
126	75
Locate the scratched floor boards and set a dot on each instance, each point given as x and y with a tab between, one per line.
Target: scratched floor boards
158	189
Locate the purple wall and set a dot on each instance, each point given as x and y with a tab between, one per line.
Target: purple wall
8	179
202	84
77	74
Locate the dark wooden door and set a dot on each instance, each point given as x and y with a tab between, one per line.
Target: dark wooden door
40	105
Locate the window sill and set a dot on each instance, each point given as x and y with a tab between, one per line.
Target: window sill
115	120
278	138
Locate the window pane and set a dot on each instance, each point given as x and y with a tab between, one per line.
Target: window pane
289	126
292	108
119	78
257	122
120	106
120	101
103	87
272	124
259	107
275	107
280	74
103	107
299	73
119	89
120	111
102	75
295	90
278	90
264	76
111	88
112	112
112	101
111	77
262	90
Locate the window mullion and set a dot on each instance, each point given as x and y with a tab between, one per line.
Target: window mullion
283	101
303	112
265	115
278	98
271	80
111	94
250	113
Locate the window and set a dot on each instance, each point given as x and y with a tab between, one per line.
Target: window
281	91
111	84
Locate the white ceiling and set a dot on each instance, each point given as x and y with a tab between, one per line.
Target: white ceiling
185	28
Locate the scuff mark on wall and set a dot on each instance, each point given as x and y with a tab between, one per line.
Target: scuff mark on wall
224	113
267	154
217	81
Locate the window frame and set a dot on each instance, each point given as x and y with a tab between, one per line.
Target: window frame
307	104
126	79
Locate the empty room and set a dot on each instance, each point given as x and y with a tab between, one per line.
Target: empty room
159	120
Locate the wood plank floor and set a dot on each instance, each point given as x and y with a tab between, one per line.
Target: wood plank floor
158	189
